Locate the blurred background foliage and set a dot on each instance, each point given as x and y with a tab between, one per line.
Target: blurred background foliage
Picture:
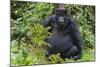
28	35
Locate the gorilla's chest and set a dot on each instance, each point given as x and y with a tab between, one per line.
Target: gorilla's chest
60	39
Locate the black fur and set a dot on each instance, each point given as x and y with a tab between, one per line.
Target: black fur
65	38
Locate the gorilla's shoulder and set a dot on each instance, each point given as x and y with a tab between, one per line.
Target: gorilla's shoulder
72	21
52	16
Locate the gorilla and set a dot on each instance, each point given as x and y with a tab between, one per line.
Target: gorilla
65	38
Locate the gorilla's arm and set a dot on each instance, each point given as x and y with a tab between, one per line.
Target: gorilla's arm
76	37
47	22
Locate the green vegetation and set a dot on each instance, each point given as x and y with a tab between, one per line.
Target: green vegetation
28	35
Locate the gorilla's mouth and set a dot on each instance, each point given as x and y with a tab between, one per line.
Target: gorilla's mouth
62	23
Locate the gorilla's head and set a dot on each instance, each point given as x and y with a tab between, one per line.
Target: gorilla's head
61	16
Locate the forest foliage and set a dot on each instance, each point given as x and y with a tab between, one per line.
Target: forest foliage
28	35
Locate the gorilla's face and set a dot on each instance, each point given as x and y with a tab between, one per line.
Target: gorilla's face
61	16
61	20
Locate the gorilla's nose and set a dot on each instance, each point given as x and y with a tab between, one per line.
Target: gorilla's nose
61	20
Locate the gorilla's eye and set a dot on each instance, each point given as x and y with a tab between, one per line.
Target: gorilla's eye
61	19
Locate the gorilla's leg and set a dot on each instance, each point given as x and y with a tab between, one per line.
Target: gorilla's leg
48	53
70	53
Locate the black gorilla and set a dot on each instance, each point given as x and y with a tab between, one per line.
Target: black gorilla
65	38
